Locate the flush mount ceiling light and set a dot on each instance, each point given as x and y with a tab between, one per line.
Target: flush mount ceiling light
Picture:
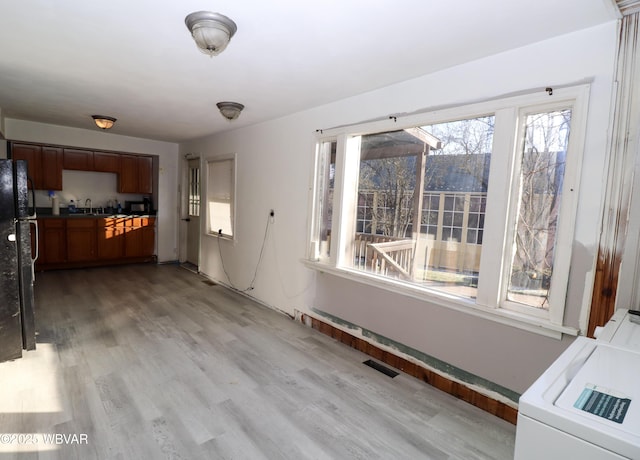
211	31
230	110
103	122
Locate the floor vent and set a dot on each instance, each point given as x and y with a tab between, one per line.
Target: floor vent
380	368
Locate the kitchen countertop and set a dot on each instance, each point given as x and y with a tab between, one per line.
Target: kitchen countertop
45	213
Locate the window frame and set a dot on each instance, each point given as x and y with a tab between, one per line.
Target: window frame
490	302
231	159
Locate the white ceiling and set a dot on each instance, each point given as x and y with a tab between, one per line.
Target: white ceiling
62	61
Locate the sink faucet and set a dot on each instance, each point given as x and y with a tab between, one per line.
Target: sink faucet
88	202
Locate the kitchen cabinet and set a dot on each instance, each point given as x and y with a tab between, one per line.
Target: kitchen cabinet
149	238
111	234
80	160
32	155
128	178
51	172
84	241
81	239
44	164
145	173
52	241
135	174
140	237
106	162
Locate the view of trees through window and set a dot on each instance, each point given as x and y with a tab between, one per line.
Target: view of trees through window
542	168
436	175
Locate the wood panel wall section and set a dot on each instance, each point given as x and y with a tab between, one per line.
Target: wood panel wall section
497	408
605	285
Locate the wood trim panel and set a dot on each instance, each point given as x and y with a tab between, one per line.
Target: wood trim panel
460	391
622	166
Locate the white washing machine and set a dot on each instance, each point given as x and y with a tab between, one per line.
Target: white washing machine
587	404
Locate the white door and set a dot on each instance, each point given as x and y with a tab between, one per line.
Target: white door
193	213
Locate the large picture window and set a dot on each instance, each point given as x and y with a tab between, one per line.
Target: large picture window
470	204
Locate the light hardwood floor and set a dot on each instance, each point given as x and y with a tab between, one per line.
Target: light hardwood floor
151	362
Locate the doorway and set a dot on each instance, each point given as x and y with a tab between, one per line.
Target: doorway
192	218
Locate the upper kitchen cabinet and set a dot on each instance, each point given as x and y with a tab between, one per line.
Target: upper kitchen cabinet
33	156
79	160
106	162
51	174
145	172
135	174
44	164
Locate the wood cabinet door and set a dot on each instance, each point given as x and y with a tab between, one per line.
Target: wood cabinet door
32	155
51	172
145	174
81	239
111	233
128	178
148	240
133	242
80	160
106	162
53	239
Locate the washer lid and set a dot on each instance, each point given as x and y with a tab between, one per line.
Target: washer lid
606	389
589	365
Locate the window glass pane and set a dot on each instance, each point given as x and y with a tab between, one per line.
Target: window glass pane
194	190
220	189
326	175
438	253
541	177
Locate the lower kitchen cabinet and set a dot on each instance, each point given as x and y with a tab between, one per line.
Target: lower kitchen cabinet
52	241
111	234
81	240
88	242
140	237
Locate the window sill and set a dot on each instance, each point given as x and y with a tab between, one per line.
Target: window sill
509	318
221	236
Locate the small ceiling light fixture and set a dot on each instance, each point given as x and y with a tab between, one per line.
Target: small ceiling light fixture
211	31
230	110
103	122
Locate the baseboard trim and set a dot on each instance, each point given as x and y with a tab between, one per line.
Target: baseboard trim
457	389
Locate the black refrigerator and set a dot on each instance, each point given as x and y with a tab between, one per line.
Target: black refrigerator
17	221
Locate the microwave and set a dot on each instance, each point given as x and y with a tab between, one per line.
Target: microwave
137	206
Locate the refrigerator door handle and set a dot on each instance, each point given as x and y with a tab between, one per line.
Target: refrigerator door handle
35	224
33	259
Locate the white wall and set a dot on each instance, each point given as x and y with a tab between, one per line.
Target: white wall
167	237
274	161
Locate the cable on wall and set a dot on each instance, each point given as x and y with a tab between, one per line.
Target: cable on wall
260	257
